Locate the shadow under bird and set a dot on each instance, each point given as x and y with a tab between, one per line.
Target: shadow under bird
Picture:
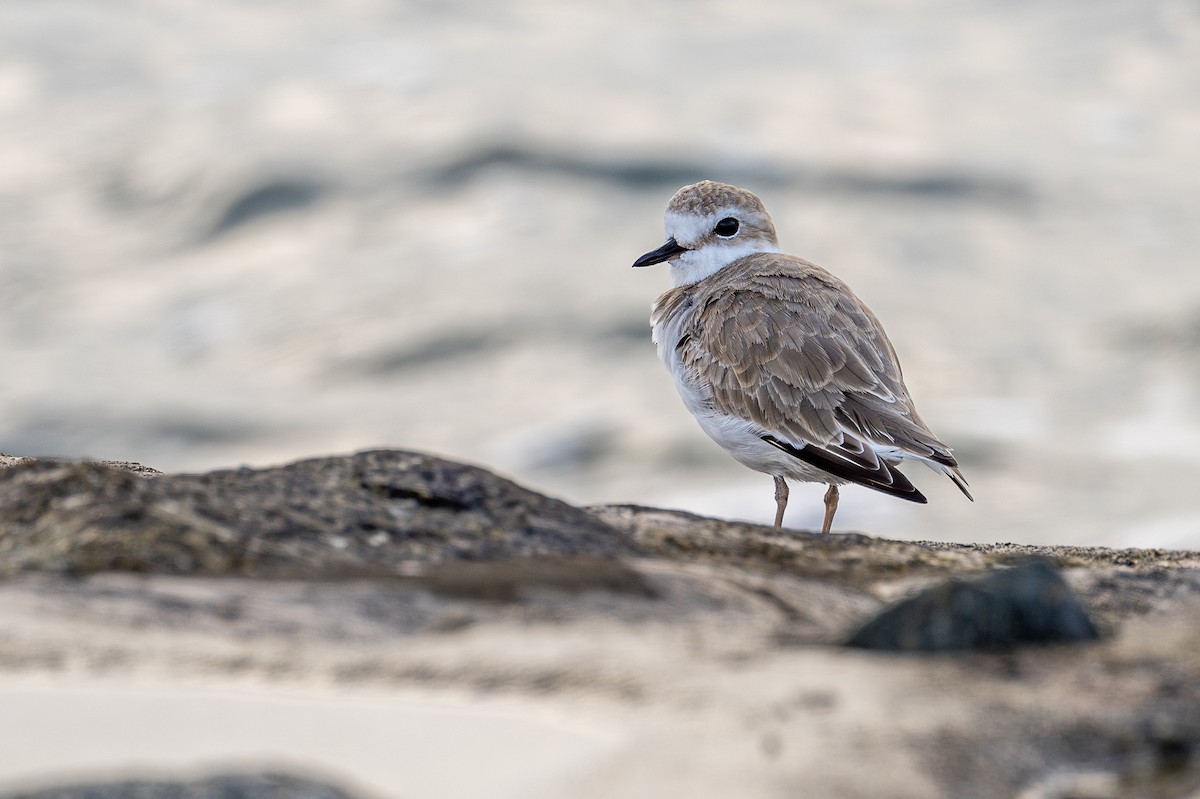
778	360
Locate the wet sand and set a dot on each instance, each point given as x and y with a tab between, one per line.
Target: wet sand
378	743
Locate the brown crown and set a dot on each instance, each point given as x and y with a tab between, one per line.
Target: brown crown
708	196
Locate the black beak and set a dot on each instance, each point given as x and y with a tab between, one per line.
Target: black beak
663	253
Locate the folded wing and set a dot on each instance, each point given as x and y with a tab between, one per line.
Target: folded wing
789	347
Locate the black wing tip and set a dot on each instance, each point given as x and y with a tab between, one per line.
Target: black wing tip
961	482
887	480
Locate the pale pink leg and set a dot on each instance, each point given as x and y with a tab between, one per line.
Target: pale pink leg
781	496
831	500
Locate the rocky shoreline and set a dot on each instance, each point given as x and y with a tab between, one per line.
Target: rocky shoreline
713	647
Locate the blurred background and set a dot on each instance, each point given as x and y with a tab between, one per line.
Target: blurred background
244	233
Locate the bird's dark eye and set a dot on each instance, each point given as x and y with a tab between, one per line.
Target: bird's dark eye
726	227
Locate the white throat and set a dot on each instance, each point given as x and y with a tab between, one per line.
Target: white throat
695	265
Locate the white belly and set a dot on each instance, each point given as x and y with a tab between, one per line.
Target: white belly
743	440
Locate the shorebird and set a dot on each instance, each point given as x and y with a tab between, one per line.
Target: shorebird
778	360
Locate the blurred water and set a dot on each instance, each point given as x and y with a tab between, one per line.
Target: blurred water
245	233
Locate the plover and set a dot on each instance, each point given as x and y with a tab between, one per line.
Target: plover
780	363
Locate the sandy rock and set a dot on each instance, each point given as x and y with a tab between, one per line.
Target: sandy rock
709	646
362	515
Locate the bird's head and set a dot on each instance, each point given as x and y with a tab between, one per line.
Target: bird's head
709	226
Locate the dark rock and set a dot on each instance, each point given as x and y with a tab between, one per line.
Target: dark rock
1029	603
247	786
365	515
130	466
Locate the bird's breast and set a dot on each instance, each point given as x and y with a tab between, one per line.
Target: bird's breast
672	320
